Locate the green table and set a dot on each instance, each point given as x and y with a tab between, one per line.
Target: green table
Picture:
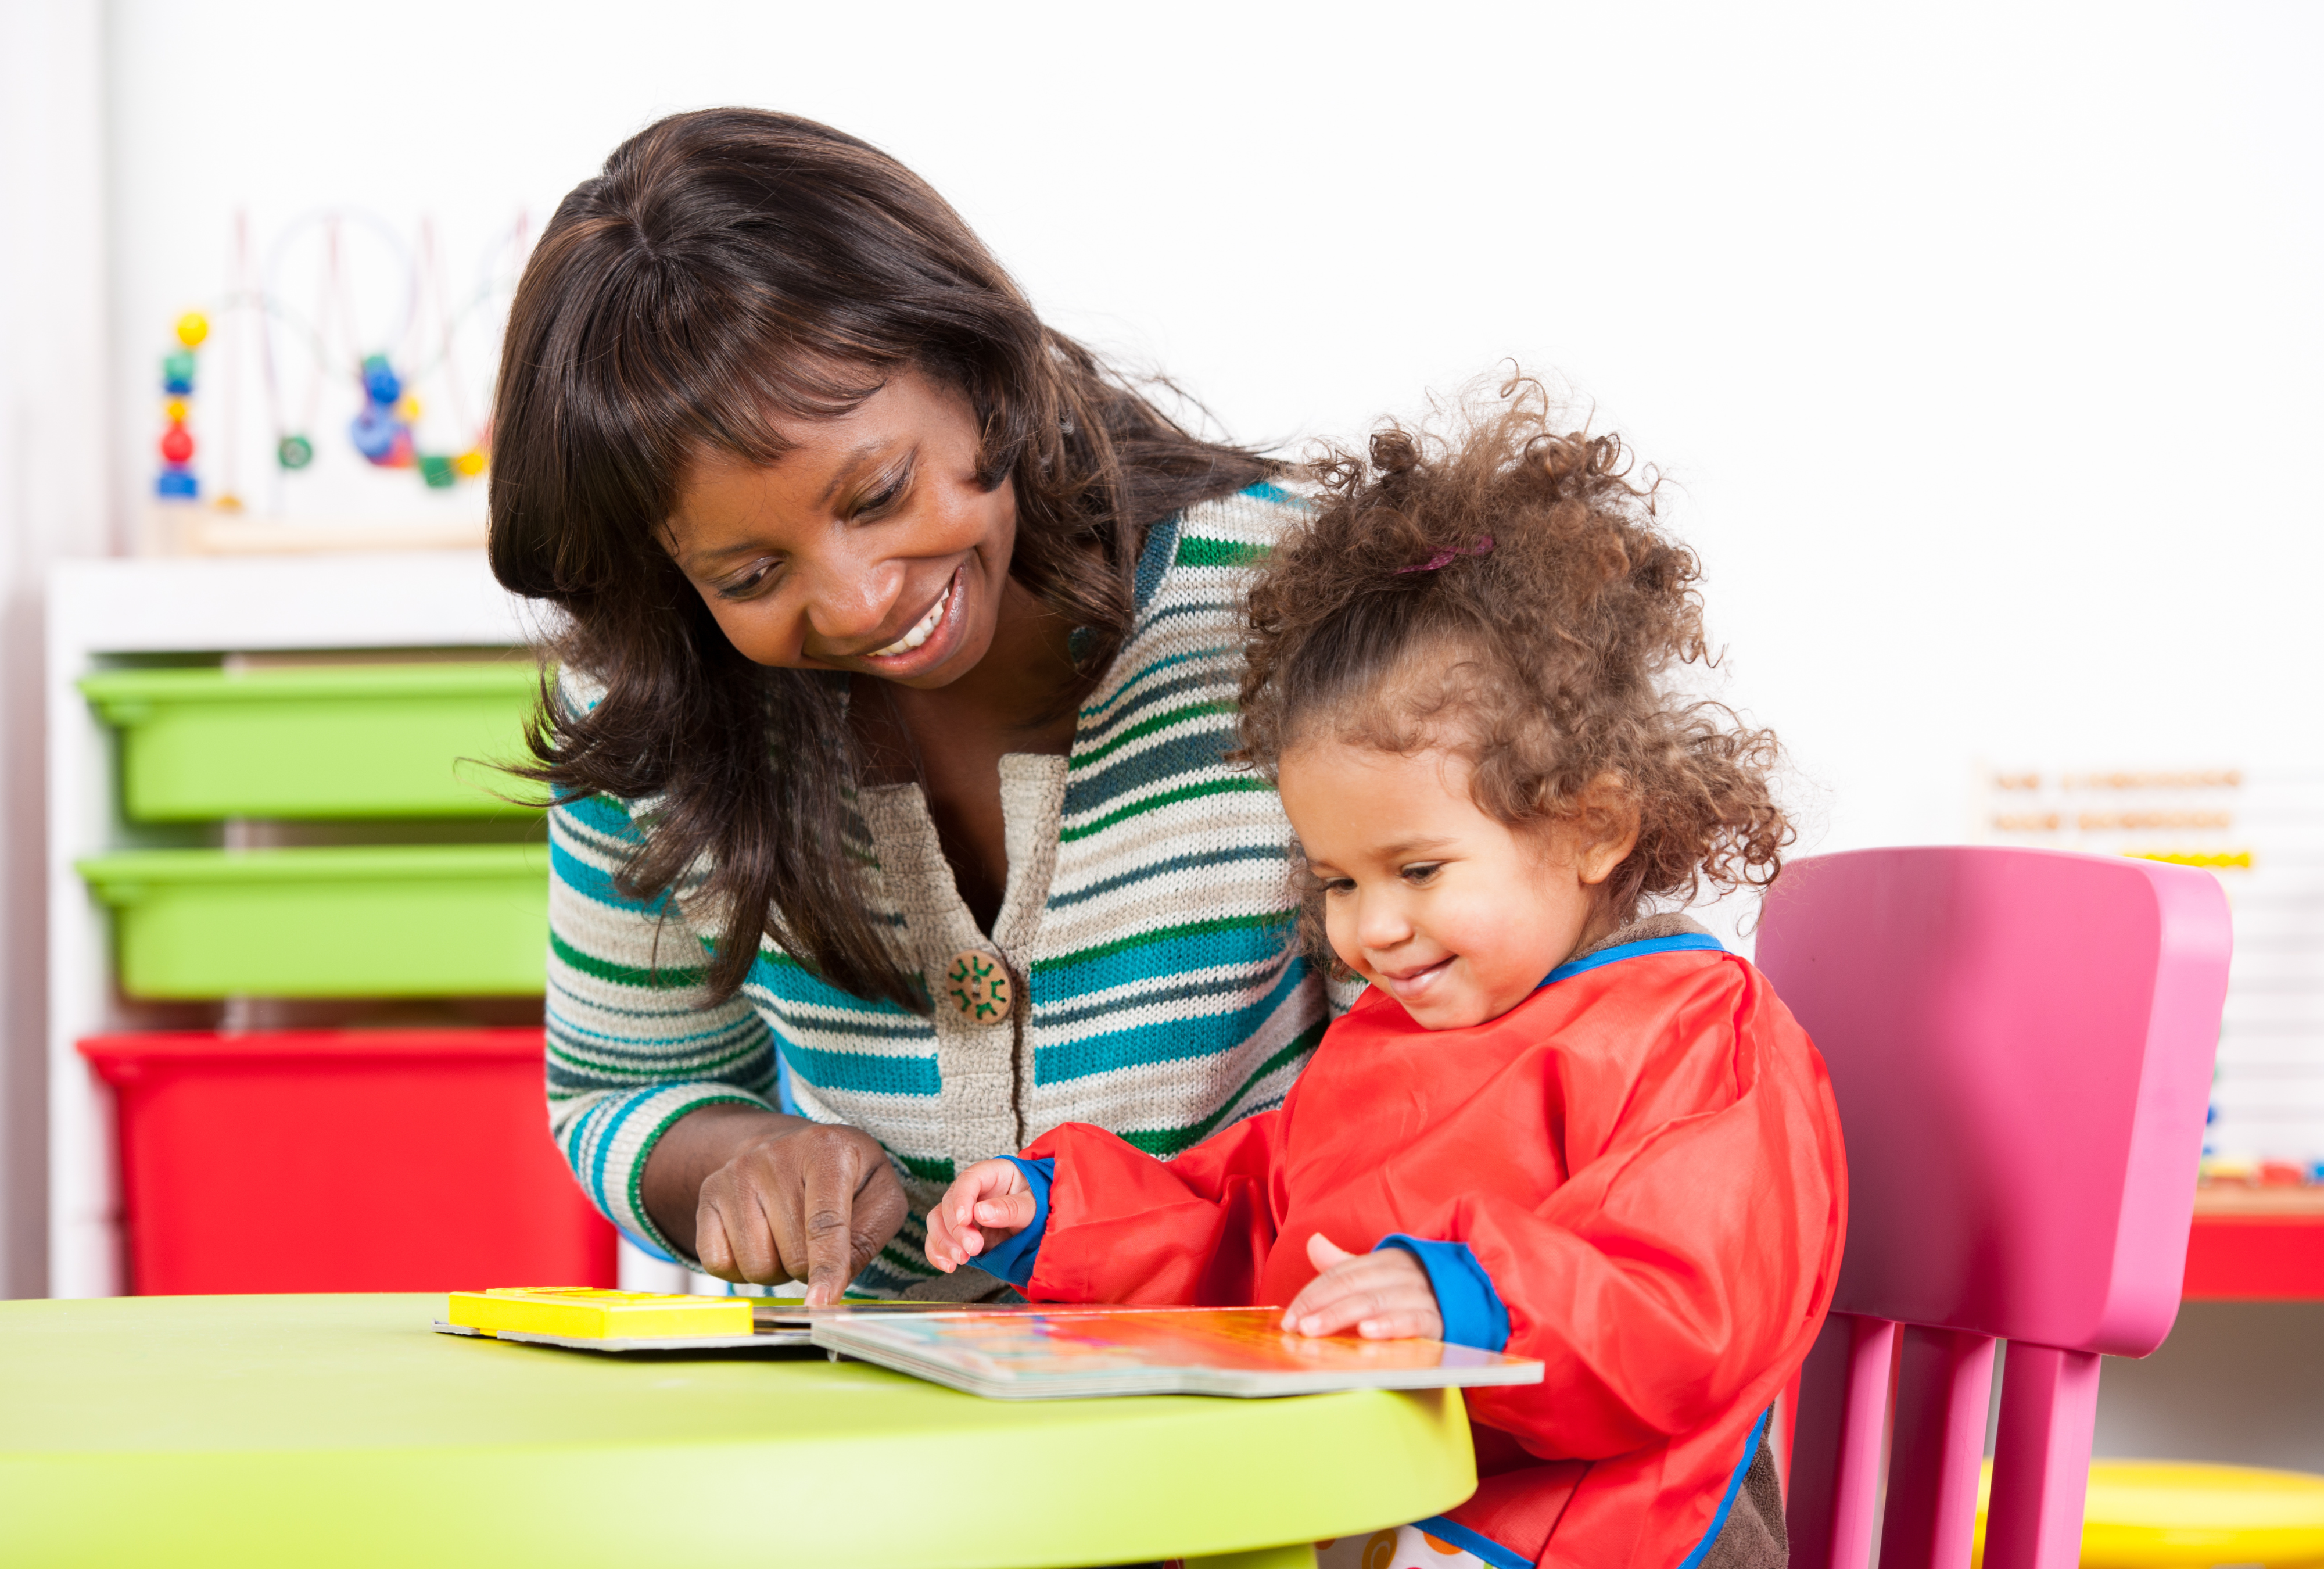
256	1431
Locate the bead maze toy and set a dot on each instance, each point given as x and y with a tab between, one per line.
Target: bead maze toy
177	479
345	308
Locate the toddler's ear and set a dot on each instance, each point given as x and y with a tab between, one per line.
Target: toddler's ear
1607	827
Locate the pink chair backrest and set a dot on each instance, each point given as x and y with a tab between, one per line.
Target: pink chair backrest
2021	1043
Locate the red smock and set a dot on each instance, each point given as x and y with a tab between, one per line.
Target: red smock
1644	1155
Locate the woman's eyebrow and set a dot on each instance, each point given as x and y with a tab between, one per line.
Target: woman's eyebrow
855	460
703	560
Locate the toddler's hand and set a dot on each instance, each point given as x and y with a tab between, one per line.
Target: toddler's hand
987	1203
1385	1294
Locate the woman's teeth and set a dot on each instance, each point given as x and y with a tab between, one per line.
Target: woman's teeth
920	632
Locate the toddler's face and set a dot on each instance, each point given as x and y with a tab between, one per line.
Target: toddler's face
1451	912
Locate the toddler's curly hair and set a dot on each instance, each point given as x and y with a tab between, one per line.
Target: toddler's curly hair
1506	593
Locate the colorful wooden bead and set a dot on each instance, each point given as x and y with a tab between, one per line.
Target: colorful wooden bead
192	327
177	445
381	385
438	471
176	484
374	433
470	463
294	452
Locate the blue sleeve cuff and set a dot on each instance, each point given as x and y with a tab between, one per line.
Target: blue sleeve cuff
648	1246
1465	1298
1013	1260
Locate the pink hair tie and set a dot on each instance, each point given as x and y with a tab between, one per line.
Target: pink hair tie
1446	558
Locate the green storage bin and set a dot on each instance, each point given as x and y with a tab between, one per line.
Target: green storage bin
370	921
345	741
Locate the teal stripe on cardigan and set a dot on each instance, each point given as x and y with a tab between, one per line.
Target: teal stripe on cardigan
861	1071
784	978
1171	1040
1226	942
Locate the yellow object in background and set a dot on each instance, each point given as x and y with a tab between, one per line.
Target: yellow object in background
470	463
585	1312
2159	1514
192	327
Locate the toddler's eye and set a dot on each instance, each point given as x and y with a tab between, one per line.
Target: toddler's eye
1421	873
1335	886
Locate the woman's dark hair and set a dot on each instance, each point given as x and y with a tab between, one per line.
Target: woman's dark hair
1506	593
729	267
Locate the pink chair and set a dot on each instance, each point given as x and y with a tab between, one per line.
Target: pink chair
2021	1045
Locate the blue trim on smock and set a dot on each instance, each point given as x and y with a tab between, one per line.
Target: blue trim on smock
1473	1542
1682	942
1465	1298
1013	1260
1491	1551
1734	1487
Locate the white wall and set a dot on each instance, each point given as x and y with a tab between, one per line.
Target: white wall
1984	340
52	468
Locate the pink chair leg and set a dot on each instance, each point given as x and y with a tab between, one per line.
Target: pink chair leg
1944	1385
2042	1458
1835	1470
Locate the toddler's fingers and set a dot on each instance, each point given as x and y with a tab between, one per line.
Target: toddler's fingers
1403	1324
1008	1212
1323	1253
939	1245
959	1200
984	1178
1351	1272
1360	1286
1335	1316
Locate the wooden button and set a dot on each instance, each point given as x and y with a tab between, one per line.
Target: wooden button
978	985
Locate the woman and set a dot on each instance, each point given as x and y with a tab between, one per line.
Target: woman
899	656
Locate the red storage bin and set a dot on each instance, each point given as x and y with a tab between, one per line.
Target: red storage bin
344	1160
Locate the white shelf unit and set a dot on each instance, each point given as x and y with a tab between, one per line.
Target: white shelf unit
106	612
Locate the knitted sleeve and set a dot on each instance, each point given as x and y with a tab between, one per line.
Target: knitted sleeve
633	1043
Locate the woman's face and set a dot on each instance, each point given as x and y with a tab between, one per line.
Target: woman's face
868	547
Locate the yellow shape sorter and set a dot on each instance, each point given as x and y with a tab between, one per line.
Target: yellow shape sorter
587	1313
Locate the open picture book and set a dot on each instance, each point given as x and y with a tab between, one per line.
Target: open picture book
1050	1352
1017	1351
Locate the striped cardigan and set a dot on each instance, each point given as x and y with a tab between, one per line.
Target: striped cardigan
1144	932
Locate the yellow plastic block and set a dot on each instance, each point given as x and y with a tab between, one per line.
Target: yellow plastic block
585	1312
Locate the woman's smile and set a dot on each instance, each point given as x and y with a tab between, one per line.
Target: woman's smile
924	625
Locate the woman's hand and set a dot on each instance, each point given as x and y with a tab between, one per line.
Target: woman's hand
1385	1294
987	1203
773	1198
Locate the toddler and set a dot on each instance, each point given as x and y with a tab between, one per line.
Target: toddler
1553	1125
